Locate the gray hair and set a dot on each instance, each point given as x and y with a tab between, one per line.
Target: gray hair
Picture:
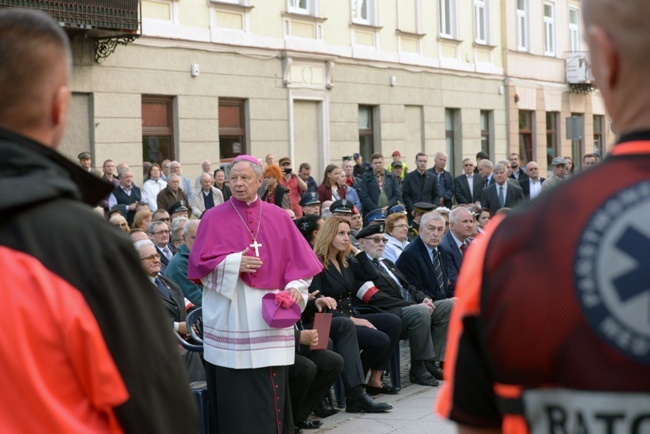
256	167
499	167
152	226
173	176
485	163
190	225
122	170
143	243
454	214
432	215
178	222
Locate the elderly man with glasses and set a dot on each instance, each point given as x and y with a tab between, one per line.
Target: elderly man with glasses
171	296
159	234
395	295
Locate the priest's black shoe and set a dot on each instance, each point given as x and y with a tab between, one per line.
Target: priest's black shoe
434	370
385	389
365	404
308	423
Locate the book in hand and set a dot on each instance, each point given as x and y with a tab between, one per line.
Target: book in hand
322	324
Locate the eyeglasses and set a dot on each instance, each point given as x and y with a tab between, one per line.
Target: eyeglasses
168	219
401	226
164	231
152	258
468	165
378	240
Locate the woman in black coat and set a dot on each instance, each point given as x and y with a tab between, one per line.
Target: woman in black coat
378	333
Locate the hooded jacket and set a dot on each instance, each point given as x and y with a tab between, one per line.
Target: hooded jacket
45	214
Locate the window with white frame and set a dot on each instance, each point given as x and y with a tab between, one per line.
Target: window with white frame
574	30
448	18
304	7
549	28
482	21
523	32
364	11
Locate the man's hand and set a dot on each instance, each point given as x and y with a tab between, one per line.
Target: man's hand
429	304
362	323
327	302
182	330
249	264
308	337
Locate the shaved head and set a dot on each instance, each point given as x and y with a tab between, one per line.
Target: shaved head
36	65
618	35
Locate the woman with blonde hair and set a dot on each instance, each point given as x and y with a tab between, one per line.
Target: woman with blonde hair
119	221
377	333
142	219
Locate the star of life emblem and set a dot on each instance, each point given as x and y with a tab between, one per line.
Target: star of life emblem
612	271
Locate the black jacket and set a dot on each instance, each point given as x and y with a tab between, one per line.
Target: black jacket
44	213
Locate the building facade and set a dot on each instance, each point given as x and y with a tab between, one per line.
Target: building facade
317	80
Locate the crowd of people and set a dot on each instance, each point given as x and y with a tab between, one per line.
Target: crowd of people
386	247
381	249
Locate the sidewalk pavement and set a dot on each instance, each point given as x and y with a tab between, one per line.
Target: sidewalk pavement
412	413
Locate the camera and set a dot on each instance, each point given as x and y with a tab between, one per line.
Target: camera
287	170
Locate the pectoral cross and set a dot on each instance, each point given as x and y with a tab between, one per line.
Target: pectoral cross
256	246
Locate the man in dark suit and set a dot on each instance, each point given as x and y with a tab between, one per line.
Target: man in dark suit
171	297
532	185
502	193
467	187
379	188
424	264
517	172
485	170
419	185
159	233
444	178
456	239
394	294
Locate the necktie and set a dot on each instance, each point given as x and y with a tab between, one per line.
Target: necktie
168	253
437	269
380	181
502	199
405	294
162	288
463	248
470	182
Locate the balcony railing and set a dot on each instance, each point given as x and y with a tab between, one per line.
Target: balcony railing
108	22
109	15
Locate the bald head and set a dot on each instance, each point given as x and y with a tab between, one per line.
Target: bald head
619	41
36	64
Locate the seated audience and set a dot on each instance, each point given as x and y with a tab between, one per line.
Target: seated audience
378	333
177	267
172	299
